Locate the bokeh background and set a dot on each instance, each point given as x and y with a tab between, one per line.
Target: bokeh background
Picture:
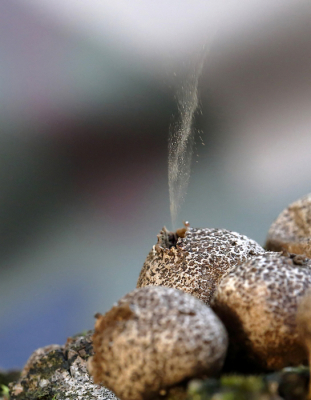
87	95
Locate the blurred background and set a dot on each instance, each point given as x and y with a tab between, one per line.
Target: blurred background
87	95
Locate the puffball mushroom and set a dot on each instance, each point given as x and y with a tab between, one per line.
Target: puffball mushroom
257	302
304	328
291	231
194	261
154	338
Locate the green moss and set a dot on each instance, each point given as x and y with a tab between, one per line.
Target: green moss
203	390
250	383
4	391
228	387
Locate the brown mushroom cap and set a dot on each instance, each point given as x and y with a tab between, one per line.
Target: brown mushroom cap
303	320
257	301
291	231
156	337
198	261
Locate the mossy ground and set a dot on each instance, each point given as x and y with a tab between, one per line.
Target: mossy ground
62	374
288	384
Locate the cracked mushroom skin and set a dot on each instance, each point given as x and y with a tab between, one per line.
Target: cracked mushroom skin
155	338
197	261
257	302
291	231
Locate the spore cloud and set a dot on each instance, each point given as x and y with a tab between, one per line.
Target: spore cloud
181	137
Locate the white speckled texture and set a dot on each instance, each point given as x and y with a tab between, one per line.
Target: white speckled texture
77	384
257	302
198	262
291	231
156	337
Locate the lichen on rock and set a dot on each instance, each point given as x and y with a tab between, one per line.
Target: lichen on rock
59	373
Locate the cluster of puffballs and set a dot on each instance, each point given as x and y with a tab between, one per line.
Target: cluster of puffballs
207	299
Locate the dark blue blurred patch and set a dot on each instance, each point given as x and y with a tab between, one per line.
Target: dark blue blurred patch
51	323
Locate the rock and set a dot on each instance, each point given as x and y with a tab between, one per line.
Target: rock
60	372
196	263
154	338
291	231
257	301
